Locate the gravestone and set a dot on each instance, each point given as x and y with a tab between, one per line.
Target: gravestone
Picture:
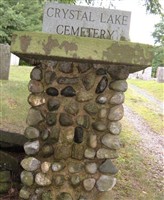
14	61
76	94
160	75
4	61
143	74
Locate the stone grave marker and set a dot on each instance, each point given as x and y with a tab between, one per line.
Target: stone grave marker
84	21
160	74
4	61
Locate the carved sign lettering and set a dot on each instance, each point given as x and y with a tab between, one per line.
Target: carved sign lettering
83	21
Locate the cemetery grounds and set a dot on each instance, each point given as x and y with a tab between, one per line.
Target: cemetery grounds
140	162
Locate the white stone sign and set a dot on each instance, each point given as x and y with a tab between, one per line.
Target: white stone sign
84	21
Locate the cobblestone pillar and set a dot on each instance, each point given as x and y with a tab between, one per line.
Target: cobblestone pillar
73	130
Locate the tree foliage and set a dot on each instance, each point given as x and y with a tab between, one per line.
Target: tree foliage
158	35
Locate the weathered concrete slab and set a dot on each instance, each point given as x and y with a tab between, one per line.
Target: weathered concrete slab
80	49
85	21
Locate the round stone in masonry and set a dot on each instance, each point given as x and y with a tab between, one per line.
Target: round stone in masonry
52	91
83	96
83	120
89	184
47	150
49	77
35	86
75	180
67	80
78	135
68	92
47	195
88	80
36	99
72	107
114	127
31	132
104	153
103	113
82	198
67	135
108	167
99	126
101	71
75	167
53	104
51	119
65	119
117	98
118	72
91	168
119	86
111	141
41	179
59	180
30	164
66	67
34	117
27	178
32	148
24	193
102	85
64	196
89	153
45	134
91	108
53	136
57	166
45	166
116	113
105	183
101	99
36	74
83	67
92	141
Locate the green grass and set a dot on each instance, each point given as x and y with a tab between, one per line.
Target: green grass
133	179
153	87
142	106
14	93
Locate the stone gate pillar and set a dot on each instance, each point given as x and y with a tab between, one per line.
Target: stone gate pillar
76	94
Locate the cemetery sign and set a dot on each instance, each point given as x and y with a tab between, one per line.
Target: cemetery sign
84	21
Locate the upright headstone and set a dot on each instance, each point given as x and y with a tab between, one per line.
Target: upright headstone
86	21
160	74
14	61
4	61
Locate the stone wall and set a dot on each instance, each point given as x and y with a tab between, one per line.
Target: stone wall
73	130
4	61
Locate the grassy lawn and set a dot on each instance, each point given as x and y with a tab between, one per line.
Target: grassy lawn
133	179
153	87
142	106
14	93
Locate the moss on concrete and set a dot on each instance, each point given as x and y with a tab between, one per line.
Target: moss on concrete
50	46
